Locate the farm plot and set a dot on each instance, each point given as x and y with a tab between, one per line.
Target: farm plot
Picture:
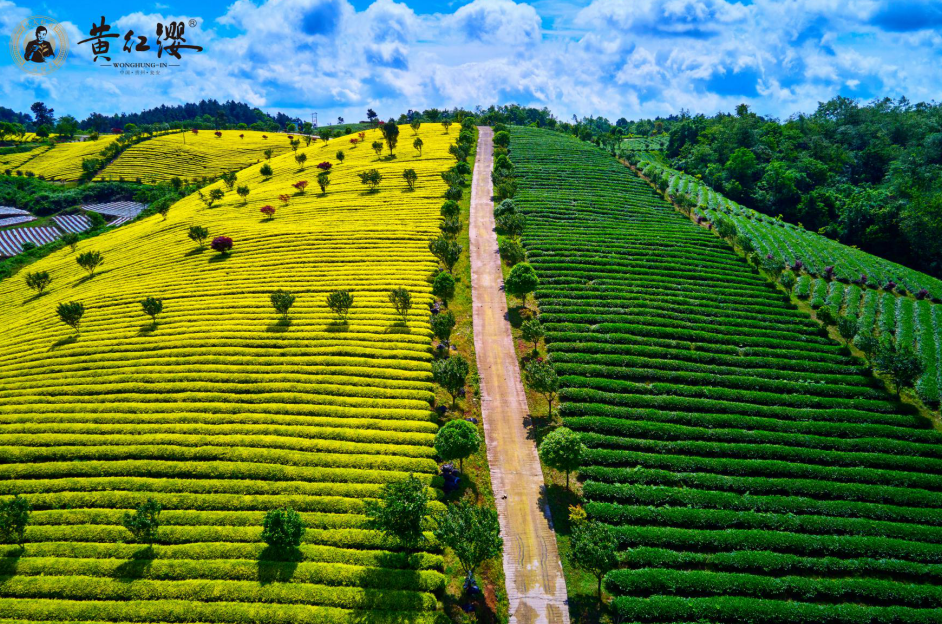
17	159
224	410
816	256
12	240
64	160
195	156
752	470
792	243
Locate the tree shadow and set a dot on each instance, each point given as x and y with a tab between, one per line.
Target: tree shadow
194	252
64	341
35	297
388	157
557	499
147	329
220	257
276	565
9	561
282	325
89	277
399	327
337	325
516	315
136	567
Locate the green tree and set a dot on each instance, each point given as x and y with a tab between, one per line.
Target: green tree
446	124
38	280
899	363
826	315
229	179
511	251
391	134
521	281
152	307
266	170
443	286
542	378
90	260
71	239
144	522
471	532
450	227
450	209
300	158
198	234
401	301
215	195
417	144
340	302
502	139
847	327
532	331
512	224
866	342
282	529
400	510
410	176
447	251
377	147
562	449
788	281
456	440
282	301
243	192
415	124
340	156
442	324
268	154
593	547
323	181
451	374
14	516
371	178
71	313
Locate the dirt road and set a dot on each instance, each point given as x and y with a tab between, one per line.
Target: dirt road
535	584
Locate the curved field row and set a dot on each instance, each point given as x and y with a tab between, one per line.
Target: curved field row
64	160
195	156
882	310
751	468
223	410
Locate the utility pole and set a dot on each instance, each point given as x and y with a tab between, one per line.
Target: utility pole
314	119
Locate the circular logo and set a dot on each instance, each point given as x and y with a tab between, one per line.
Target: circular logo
39	45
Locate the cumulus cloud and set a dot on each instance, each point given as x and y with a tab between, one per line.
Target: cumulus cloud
497	21
611	57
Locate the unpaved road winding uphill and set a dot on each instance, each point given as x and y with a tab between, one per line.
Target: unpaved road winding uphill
536	587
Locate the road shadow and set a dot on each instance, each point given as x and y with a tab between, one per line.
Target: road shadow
136	567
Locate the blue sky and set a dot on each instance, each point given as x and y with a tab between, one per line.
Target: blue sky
631	58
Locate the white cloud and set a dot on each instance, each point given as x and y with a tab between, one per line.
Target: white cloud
497	21
612	57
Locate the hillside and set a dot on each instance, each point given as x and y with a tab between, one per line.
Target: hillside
189	155
64	160
753	470
223	411
885	298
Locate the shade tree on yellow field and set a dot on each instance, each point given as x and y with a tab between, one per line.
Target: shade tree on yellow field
223	415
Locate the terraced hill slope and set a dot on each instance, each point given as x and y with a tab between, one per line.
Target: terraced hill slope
223	411
64	160
194	156
754	471
886	298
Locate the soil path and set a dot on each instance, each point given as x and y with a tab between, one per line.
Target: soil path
536	588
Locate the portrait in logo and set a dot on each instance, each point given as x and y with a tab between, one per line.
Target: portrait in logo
39	45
